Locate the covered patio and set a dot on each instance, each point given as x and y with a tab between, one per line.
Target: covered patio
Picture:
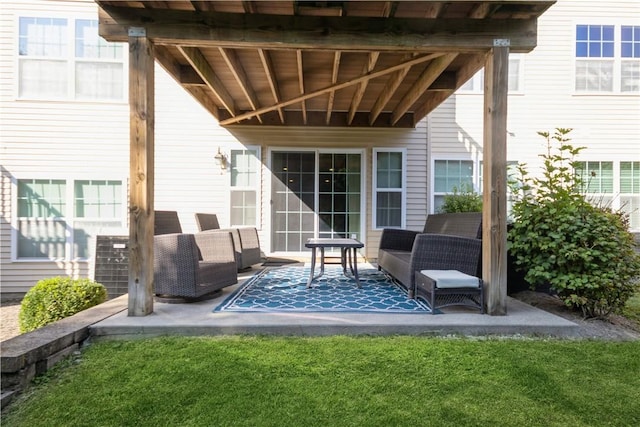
335	64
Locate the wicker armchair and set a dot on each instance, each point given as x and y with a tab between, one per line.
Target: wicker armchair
246	240
190	267
461	285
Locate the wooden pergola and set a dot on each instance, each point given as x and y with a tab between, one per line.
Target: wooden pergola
319	63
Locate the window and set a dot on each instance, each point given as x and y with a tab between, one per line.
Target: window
614	184
245	174
389	188
476	83
607	58
597	178
66	59
630	191
630	53
449	174
57	221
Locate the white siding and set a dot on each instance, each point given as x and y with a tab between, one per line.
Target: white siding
607	124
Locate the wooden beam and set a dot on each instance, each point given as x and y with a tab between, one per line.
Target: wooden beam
303	105
334	79
494	194
202	67
428	76
392	85
327	89
471	67
233	62
345	33
362	87
141	175
270	71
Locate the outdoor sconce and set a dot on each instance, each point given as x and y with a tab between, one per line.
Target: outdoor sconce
221	160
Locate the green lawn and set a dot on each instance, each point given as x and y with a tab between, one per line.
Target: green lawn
339	381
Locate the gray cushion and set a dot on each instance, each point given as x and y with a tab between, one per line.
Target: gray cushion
447	279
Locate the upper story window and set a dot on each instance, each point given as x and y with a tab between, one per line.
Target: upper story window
476	83
607	58
65	59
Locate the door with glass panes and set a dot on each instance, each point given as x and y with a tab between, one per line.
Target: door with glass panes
314	194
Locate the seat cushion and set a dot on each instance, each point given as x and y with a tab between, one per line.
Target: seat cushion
448	279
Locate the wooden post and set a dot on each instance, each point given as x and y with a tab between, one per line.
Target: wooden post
141	161
494	216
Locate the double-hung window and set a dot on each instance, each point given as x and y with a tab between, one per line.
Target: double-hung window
516	65
449	175
389	187
57	219
65	59
614	184
607	58
630	192
245	179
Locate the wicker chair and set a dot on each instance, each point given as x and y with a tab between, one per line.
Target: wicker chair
246	240
190	267
166	222
447	271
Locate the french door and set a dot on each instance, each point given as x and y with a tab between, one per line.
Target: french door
314	194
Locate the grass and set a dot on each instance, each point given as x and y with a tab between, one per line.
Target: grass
631	309
339	381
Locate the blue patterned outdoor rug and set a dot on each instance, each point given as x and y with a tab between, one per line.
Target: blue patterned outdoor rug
284	289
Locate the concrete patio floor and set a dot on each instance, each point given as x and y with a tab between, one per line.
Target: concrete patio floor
200	319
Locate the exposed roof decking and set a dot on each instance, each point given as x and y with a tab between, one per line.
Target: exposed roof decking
323	63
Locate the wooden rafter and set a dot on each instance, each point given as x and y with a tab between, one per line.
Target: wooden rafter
334	79
337	86
303	104
362	87
386	94
233	62
202	67
428	76
269	70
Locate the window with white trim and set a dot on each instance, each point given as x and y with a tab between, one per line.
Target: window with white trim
450	174
630	192
245	179
57	219
613	184
66	59
607	58
389	182
476	83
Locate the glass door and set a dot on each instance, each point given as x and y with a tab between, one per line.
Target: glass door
314	194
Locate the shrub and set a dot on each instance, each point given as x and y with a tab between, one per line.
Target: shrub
584	252
462	199
56	298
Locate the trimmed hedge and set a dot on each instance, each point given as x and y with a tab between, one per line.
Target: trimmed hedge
55	298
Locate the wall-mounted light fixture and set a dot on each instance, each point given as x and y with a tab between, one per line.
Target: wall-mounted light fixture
221	159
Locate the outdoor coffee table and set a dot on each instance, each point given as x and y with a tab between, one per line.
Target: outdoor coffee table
348	249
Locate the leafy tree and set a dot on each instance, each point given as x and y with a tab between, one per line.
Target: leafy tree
463	199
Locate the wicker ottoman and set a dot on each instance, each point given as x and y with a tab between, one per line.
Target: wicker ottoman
444	288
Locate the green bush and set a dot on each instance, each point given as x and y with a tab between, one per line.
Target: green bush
584	252
56	298
462	199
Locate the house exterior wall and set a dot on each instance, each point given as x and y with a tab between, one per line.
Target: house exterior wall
90	140
607	124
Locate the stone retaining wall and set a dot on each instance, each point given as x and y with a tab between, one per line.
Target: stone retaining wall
27	355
